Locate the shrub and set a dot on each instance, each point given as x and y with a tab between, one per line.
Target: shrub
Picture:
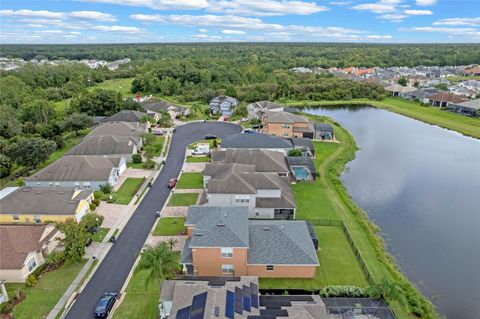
295	152
343	291
97	195
149	164
96	201
137	158
92	207
31	281
21	182
106	188
5	165
91	221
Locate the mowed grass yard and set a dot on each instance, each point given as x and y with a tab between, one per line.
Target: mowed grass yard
198	159
183	199
190	181
128	189
119	85
338	265
41	298
170	226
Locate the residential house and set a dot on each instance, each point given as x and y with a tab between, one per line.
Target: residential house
475	71
155	108
443	98
287	124
119	129
23	249
108	145
223	105
264	161
302	168
256	110
303	144
79	171
266	195
256	141
126	116
222	241
398	90
421	95
469	108
234	298
324	132
40	205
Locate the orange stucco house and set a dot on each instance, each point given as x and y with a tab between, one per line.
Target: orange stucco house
222	241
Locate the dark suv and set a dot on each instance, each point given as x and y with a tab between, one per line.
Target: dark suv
105	305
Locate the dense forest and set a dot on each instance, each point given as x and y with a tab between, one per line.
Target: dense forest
276	55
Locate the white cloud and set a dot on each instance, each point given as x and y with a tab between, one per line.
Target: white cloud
378	37
418	12
450	31
233	32
265	7
392	17
203	30
32	13
117	28
383	6
92	15
472	22
206	37
426	2
340	3
159	4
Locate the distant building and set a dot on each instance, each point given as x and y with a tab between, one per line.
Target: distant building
256	141
256	110
119	129
223	105
155	108
126	116
469	108
38	205
398	90
443	98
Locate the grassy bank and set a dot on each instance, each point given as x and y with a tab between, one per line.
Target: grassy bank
335	203
433	115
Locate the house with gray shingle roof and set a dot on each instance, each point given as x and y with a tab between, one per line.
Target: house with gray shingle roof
155	108
469	108
224	242
223	105
257	109
126	116
256	141
108	145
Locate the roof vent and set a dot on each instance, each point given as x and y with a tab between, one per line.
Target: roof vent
61	192
265	228
281	227
221	224
225	215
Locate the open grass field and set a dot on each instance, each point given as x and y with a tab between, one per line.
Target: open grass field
338	265
183	199
170	226
41	298
128	189
433	115
120	85
190	181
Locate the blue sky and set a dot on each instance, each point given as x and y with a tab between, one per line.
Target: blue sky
114	21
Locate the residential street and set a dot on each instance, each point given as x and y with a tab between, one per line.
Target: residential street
113	271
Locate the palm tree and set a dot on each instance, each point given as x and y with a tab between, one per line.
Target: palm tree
172	242
160	262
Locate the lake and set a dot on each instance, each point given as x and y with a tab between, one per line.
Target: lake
421	185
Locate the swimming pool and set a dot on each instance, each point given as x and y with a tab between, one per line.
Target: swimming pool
301	173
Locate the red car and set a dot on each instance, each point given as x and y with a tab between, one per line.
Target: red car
225	119
172	182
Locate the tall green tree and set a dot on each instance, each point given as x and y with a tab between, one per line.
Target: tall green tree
77	121
30	152
74	239
160	262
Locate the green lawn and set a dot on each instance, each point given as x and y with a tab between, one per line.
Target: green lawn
190	181
158	145
41	298
170	226
338	265
210	142
100	234
128	189
119	85
137	165
198	159
183	199
466	125
141	301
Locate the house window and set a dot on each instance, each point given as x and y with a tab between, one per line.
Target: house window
227	252
227	269
15	217
269	268
57	184
285	134
37	219
285	126
31	264
242	199
86	185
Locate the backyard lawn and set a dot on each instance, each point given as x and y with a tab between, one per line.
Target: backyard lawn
137	165
338	265
41	298
128	189
198	159
190	181
170	226
183	199
100	234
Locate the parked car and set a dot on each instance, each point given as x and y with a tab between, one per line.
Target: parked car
210	137
200	151
172	182
249	131
88	242
105	305
225	119
158	132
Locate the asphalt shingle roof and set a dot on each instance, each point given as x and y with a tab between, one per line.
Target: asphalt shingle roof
279	242
263	141
125	116
104	145
218	226
119	129
263	160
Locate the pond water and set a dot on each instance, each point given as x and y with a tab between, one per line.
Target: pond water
421	184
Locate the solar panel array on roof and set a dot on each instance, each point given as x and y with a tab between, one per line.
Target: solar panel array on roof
238	300
254	295
198	306
246	298
229	305
274	312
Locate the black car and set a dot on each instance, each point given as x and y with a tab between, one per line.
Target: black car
210	137
105	305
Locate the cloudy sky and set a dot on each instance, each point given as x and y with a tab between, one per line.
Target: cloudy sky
112	21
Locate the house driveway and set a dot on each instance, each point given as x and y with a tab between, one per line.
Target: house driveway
174	211
193	167
153	241
113	213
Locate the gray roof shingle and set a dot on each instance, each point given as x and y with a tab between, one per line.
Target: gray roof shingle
105	145
119	129
125	116
263	160
262	141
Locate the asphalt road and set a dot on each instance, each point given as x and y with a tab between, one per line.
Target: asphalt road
115	267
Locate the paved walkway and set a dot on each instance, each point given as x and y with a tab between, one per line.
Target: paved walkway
155	240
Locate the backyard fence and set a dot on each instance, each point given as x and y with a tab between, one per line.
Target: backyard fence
358	255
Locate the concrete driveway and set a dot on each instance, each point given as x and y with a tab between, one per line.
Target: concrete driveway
114	269
113	213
